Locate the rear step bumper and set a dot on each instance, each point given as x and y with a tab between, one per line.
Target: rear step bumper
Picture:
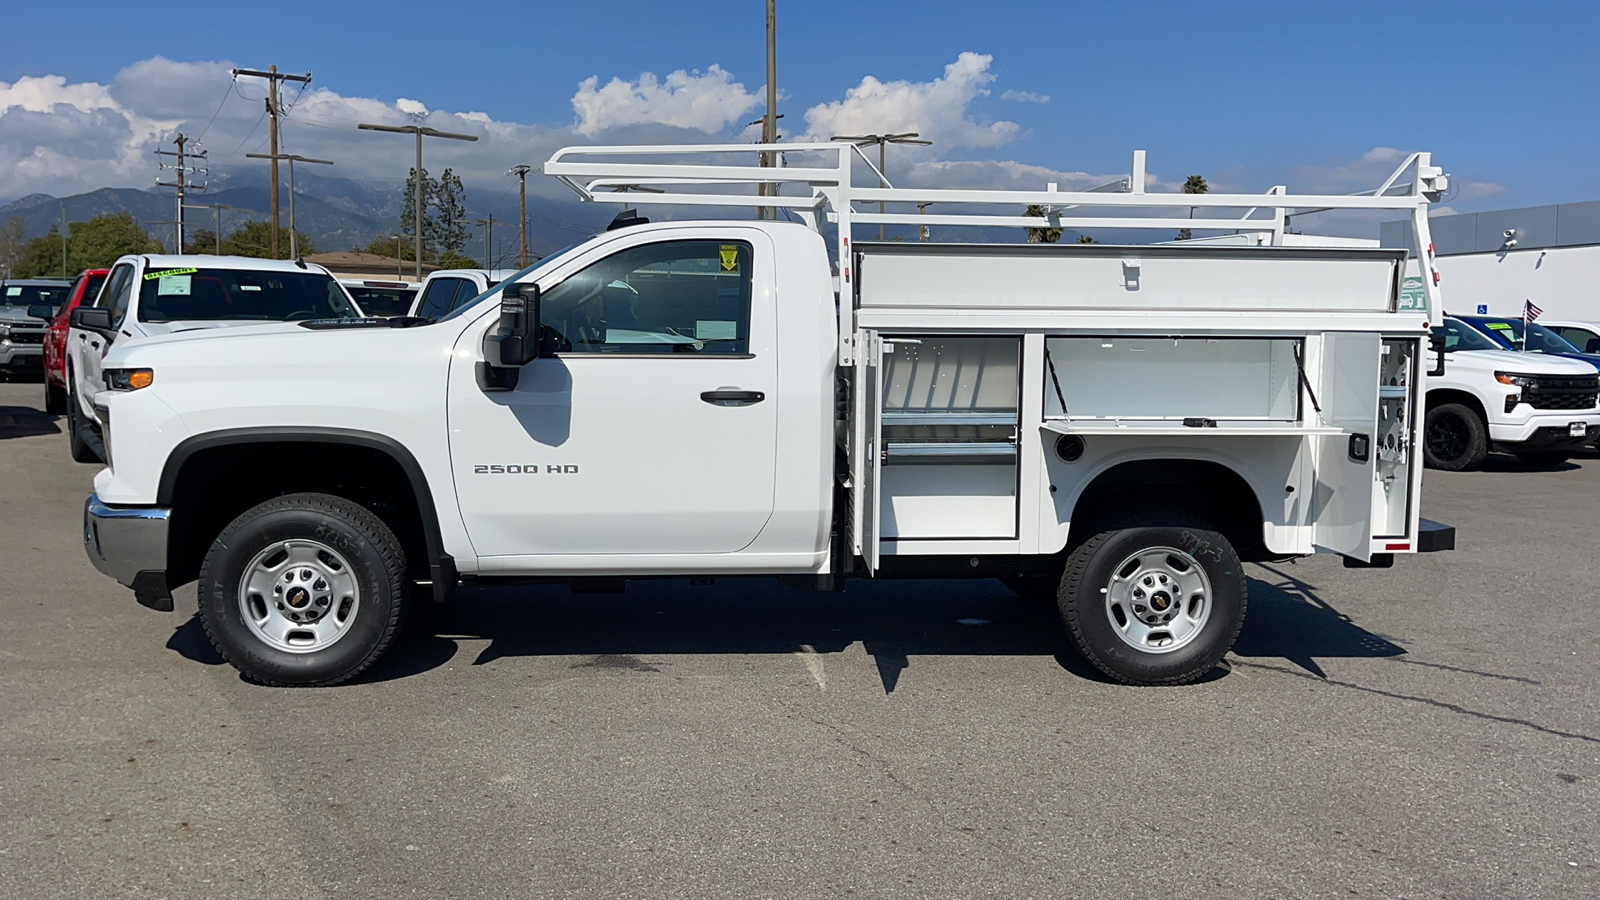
1433	537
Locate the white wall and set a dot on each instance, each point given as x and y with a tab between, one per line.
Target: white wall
1562	281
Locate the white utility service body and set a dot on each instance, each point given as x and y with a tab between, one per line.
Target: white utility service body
717	398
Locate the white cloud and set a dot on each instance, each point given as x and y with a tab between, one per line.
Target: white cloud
938	110
1025	97
706	101
411	107
1476	190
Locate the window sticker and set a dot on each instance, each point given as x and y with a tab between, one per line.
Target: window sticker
730	257
167	273
715	330
13	292
249	287
173	286
1499	326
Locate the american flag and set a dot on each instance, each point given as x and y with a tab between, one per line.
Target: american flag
1530	312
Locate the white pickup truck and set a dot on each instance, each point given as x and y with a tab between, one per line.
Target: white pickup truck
446	290
1113	427
1539	407
149	294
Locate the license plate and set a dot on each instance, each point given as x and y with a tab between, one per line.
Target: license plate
1577	429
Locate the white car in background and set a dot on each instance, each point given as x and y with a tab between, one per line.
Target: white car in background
152	294
1583	335
450	289
384	299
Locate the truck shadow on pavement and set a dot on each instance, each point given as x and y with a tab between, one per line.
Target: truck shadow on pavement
25	421
895	622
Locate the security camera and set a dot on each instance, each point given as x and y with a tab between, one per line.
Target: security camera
1509	233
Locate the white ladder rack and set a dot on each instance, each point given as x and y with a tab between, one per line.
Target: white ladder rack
701	175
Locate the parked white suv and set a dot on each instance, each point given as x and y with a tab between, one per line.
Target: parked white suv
1540	408
155	295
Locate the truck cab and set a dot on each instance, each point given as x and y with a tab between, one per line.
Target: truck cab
447	290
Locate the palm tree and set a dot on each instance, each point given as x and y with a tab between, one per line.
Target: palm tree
1041	235
1194	184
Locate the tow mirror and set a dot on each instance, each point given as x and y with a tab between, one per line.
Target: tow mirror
42	311
1436	343
514	342
91	318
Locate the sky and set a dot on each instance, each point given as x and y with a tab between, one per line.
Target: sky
1323	97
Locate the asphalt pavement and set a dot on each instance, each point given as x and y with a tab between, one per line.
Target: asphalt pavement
1427	731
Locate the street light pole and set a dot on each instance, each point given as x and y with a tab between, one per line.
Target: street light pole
882	140
294	245
416	192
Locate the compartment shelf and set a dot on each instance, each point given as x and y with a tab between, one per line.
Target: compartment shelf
1159	428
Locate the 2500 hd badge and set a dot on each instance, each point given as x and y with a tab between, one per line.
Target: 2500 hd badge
527	469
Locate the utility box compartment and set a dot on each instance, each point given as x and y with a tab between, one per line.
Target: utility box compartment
1173	378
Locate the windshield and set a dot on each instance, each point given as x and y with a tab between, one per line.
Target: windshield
385	302
539	266
1459	335
1539	338
30	294
188	294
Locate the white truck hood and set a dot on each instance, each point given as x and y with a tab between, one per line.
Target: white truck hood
1522	363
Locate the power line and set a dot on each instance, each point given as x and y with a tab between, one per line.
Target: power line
182	182
274	109
225	92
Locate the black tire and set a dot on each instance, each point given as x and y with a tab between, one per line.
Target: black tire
55	398
1544	457
1088	619
1454	438
376	562
80	449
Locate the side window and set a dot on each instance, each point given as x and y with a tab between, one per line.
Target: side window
1582	338
671	297
464	295
437	299
117	294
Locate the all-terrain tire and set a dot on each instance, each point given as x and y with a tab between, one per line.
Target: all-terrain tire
369	557
1119	558
80	449
1454	438
55	398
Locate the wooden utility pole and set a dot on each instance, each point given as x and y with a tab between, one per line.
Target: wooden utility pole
522	195
769	122
274	109
181	183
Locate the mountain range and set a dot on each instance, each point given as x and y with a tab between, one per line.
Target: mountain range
336	213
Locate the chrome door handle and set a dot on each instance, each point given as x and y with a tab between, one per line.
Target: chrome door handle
729	397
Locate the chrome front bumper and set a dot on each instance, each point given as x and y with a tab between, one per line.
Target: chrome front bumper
130	545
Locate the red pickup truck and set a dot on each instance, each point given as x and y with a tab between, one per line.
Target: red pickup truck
84	290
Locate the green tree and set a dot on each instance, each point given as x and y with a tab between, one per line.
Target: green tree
1041	235
94	244
11	244
385	246
254	239
205	241
1085	239
408	215
452	260
449	214
1194	184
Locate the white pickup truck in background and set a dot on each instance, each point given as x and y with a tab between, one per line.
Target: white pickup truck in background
149	294
1114	427
447	290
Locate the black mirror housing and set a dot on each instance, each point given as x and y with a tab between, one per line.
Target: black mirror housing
91	318
514	342
42	311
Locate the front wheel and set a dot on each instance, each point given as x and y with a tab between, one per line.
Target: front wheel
305	589
79	448
1453	438
1156	599
55	397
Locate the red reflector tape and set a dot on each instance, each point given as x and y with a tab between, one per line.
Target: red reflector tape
1397	546
1436	278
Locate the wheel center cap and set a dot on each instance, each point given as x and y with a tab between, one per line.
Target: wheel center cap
1160	601
298	597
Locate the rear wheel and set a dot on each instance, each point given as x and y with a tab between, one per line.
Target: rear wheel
1453	438
1156	599
305	589
55	397
1545	457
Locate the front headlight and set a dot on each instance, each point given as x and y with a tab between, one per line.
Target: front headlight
5	331
129	379
1515	380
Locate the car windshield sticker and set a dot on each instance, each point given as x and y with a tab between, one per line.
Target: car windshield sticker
1499	326
249	287
13	292
167	273
173	286
715	330
730	257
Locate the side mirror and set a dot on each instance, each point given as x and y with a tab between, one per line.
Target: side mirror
514	342
1436	344
91	318
42	311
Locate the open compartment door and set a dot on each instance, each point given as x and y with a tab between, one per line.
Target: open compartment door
1346	463
866	450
